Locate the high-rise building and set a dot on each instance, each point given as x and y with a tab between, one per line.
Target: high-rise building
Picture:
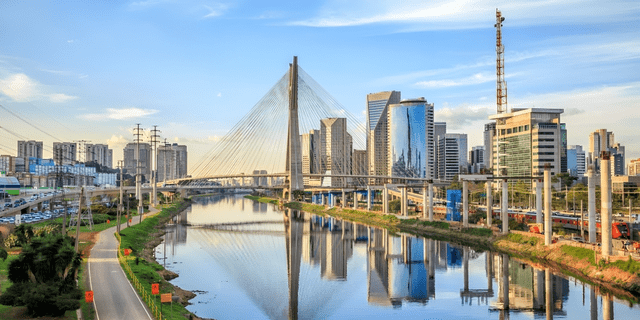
65	153
172	161
576	161
634	167
476	159
359	165
99	153
563	147
448	157
599	140
461	140
131	154
336	148
439	130
408	139
30	149
525	141
377	106
489	133
310	149
617	160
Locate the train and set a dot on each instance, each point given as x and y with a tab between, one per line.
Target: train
619	229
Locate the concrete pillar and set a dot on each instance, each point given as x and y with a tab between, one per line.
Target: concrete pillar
405	202
385	200
504	214
548	232
607	302
368	198
538	201
591	187
355	200
465	266
465	203
539	290
322	199
333	200
430	201
425	203
605	211
343	200
549	292
593	299
489	267
489	204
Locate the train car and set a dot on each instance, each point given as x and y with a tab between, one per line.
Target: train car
619	229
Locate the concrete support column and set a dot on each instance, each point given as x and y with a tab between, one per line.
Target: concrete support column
465	266
355	200
343	200
425	204
430	201
547	207
333	200
605	211
549	292
368	198
504	215
538	201
465	203
593	304
405	199
489	266
489	204
607	305
591	187
322	199
385	200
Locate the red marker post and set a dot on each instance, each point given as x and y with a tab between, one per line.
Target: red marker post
88	296
155	288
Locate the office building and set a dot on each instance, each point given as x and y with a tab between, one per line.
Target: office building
634	167
411	147
448	156
131	155
563	148
172	161
359	166
617	160
439	130
336	148
476	159
525	141
576	161
310	149
100	154
31	148
599	140
377	106
489	133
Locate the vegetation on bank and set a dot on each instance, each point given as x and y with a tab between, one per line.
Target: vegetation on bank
262	199
144	237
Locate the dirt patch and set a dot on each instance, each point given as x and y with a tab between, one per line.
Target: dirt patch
91	238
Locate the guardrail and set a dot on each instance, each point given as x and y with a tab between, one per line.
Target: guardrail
148	298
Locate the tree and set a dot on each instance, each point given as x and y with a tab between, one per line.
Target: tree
394	206
44	277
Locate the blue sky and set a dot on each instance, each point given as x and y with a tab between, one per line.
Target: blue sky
91	70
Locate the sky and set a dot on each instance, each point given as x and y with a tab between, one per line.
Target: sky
92	70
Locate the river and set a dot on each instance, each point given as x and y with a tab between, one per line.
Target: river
250	260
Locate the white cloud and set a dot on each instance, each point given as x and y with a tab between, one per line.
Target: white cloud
477	78
118	142
215	11
459	14
61	97
119	114
461	117
20	87
219	94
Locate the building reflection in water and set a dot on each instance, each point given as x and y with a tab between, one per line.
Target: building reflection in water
175	234
402	269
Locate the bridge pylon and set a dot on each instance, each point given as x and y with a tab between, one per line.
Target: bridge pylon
294	155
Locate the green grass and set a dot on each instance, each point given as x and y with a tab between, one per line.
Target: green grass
482	232
630	266
87	308
262	199
579	253
518	238
436	224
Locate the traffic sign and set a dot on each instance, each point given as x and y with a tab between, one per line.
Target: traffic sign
155	288
88	296
165	297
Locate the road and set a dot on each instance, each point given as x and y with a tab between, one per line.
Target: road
114	297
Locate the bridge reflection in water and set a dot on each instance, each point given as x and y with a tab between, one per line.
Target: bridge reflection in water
401	270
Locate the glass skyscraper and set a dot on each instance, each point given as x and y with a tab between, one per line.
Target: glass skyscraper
408	138
377	149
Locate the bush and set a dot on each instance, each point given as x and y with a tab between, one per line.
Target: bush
394	206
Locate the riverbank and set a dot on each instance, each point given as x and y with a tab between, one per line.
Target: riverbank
619	275
141	239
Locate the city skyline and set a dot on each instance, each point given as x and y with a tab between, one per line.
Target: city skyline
91	71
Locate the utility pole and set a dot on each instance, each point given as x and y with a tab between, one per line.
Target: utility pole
120	166
154	167
80	204
137	140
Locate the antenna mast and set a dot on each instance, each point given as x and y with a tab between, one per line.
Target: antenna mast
501	85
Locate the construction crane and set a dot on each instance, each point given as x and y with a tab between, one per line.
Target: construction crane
501	85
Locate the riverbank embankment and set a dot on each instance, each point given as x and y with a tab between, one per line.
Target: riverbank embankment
619	275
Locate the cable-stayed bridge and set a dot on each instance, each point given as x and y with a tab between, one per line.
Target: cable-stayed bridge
277	143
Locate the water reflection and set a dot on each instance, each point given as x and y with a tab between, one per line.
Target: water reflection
321	267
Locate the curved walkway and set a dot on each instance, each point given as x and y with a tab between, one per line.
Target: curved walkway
113	295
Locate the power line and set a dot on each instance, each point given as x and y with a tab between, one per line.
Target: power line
29	123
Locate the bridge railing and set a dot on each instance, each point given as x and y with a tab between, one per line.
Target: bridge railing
148	298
